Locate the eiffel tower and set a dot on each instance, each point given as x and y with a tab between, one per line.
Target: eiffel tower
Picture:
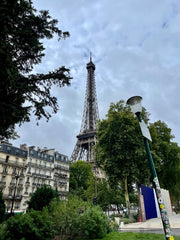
87	137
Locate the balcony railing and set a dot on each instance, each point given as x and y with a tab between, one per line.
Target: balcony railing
61	167
2	184
39	166
41	175
18	197
62	192
13	163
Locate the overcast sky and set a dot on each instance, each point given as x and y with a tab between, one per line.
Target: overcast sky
135	46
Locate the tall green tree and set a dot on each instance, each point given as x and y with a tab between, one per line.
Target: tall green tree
2	208
166	155
41	198
80	176
22	30
120	150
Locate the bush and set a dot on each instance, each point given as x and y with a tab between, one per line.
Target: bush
66	216
33	225
76	218
94	223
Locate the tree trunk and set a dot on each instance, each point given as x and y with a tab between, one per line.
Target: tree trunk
127	196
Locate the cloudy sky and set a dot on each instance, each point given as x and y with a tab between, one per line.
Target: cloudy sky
135	46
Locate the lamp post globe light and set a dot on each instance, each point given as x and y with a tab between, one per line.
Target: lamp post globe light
136	108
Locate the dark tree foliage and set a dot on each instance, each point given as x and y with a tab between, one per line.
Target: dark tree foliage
120	147
80	176
2	208
21	47
166	155
41	198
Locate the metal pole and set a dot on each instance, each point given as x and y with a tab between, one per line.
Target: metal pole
11	213
163	212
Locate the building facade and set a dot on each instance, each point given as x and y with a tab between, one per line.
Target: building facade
24	169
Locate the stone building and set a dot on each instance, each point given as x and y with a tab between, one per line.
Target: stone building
24	169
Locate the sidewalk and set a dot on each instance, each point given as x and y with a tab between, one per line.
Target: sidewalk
152	223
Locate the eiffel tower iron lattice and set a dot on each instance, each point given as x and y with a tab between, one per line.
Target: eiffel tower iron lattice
87	137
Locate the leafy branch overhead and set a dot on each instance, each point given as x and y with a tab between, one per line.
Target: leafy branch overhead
22	30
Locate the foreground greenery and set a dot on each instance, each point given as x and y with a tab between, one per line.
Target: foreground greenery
135	236
68	219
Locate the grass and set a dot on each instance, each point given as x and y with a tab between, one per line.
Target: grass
135	236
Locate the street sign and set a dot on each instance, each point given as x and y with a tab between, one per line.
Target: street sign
145	130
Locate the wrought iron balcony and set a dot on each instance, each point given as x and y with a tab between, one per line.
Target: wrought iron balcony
12	163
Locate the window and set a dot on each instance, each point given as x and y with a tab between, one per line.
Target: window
31	152
5	169
10	192
16	205
24	162
8	149
29	170
13	180
17	151
3	179
18	192
14	170
16	160
7	158
20	181
26	190
30	160
8	204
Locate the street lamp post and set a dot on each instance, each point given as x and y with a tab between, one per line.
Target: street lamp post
16	177
136	108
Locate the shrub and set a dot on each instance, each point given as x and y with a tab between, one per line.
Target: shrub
33	225
76	218
66	216
94	223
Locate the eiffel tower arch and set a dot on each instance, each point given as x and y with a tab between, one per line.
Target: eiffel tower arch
86	139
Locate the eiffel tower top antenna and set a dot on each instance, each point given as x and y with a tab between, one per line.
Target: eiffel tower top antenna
90	56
